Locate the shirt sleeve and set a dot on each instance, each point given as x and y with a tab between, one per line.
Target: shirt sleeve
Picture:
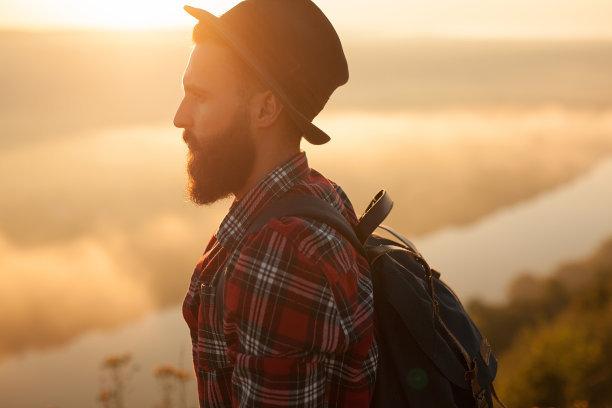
290	302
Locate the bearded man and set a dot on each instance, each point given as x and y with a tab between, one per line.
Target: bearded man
281	316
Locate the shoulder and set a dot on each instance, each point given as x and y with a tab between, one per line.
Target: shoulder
318	185
306	241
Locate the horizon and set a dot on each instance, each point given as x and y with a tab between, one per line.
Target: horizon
361	38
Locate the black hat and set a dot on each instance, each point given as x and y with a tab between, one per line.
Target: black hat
294	49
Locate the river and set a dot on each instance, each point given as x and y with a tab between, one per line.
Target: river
565	223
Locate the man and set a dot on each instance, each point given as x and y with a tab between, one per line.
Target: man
282	316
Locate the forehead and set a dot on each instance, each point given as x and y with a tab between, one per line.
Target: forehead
211	67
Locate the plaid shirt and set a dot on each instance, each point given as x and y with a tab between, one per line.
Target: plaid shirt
297	323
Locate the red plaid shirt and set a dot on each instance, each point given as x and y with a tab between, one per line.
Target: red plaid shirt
297	326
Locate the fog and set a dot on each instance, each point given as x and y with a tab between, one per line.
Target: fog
95	226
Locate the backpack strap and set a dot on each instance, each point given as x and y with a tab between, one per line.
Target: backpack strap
311	207
295	205
374	215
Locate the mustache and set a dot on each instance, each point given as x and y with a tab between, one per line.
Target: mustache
190	140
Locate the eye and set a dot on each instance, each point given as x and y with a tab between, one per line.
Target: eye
198	96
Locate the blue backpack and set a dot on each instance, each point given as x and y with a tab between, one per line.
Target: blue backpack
431	352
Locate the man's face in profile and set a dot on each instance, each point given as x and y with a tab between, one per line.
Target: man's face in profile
215	119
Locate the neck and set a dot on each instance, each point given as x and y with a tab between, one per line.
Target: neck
267	160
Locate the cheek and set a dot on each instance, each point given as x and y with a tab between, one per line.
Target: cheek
214	118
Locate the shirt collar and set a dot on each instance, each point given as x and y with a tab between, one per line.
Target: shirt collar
241	212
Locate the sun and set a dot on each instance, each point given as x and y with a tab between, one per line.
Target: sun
108	14
146	14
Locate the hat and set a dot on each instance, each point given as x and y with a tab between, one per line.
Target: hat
293	48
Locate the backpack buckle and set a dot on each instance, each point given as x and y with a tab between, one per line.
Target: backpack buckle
471	376
481	400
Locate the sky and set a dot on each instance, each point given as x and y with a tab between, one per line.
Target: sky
567	19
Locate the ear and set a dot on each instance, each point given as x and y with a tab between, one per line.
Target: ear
265	109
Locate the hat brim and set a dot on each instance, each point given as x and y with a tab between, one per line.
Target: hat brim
311	132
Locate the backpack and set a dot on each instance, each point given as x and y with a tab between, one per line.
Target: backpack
431	354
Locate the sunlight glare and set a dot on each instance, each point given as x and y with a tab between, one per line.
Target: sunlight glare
115	14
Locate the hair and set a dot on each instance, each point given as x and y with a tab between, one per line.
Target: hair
248	81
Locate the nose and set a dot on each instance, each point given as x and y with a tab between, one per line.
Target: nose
181	117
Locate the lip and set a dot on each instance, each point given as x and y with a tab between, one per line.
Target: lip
186	136
189	140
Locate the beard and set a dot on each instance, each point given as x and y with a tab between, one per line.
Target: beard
220	165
